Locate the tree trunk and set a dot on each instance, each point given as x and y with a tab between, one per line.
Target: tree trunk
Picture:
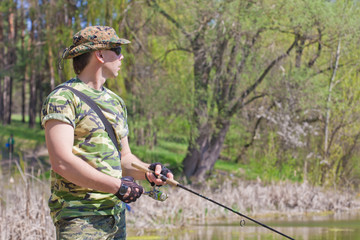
328	101
50	26
325	161
32	78
2	64
10	60
6	98
51	68
23	97
39	94
203	154
24	57
32	102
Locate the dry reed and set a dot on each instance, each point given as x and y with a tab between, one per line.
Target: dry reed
285	199
24	212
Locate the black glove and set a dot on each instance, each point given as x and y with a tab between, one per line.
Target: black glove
164	171
128	182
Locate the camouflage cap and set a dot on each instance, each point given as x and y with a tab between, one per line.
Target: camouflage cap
91	39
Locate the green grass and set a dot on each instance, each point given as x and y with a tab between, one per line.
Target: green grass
168	151
22	130
227	166
24	136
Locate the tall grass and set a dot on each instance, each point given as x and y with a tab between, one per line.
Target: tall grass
251	198
24	213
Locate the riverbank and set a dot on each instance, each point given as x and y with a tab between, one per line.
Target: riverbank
250	198
330	226
24	210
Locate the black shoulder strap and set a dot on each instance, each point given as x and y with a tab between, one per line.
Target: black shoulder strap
108	127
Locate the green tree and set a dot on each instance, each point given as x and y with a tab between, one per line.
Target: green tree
224	39
235	46
8	36
303	99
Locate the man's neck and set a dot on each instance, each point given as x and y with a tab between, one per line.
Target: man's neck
92	78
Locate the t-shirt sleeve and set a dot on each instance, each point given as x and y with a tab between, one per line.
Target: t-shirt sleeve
124	128
59	105
119	110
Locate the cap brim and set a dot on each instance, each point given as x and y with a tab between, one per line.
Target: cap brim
72	52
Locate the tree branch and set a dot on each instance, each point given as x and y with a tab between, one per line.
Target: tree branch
155	5
170	51
254	98
239	101
317	55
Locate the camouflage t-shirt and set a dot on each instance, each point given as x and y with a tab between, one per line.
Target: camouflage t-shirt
91	143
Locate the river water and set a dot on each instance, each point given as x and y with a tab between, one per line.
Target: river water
339	226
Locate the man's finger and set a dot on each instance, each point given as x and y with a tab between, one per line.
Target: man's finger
170	175
151	177
159	182
158	169
127	193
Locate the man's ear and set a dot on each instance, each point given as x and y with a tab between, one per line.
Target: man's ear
99	56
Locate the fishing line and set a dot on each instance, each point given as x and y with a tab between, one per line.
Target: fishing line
242	223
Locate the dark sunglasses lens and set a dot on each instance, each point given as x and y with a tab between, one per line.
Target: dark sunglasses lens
117	50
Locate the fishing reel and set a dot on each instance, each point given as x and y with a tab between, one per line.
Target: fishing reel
156	194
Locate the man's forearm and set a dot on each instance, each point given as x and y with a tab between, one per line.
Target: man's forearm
82	174
129	170
59	139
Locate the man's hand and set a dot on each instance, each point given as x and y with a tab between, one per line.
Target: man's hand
129	190
158	168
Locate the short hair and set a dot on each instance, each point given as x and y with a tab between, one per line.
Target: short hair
80	62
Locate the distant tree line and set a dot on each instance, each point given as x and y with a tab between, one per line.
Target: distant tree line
271	83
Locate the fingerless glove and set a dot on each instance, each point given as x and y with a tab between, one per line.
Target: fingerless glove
135	193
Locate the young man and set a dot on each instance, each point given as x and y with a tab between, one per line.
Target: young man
87	188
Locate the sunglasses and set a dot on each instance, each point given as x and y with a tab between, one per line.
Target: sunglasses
116	50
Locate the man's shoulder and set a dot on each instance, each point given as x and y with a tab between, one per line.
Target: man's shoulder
114	96
63	94
59	90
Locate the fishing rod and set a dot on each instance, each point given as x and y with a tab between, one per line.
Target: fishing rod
174	183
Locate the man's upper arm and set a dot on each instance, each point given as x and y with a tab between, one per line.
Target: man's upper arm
59	140
125	148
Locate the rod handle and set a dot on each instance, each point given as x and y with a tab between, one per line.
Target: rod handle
141	167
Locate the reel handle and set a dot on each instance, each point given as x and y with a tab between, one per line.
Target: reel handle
141	167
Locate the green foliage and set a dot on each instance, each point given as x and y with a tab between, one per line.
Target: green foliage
273	165
167	152
22	131
158	84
